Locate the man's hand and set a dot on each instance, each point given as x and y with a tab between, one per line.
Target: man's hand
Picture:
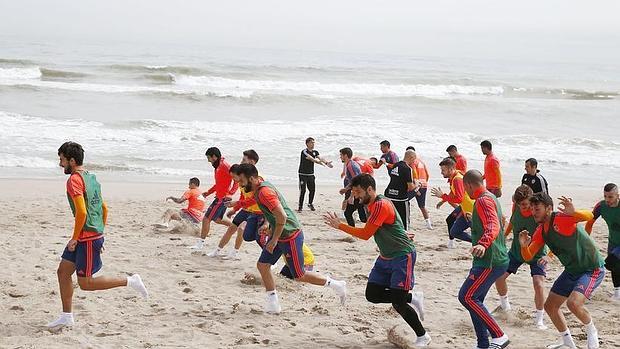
71	245
544	261
271	245
499	192
411	235
437	192
343	191
329	164
332	219
468	216
230	213
230	203
439	204
524	238
205	194
478	251
168	198
566	206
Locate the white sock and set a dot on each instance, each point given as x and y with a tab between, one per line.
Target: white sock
590	327
540	315
272	294
505	303
567	338
617	292
328	281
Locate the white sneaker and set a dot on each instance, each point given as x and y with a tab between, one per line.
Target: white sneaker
340	287
593	339
499	343
422	341
616	296
417	302
232	254
272	305
429	224
135	282
199	245
65	319
451	244
215	253
504	303
541	326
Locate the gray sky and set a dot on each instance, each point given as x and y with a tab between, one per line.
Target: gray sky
465	27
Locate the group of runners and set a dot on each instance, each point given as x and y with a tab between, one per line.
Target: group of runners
262	214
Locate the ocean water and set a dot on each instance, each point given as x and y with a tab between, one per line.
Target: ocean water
149	113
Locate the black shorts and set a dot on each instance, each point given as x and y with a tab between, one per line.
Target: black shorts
421	199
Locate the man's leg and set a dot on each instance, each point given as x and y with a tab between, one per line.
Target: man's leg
361	211
458	228
399	299
302	190
311	189
538	282
65	283
348	214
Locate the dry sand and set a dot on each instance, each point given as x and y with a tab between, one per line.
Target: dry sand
201	302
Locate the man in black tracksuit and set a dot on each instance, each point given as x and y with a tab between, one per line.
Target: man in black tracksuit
533	179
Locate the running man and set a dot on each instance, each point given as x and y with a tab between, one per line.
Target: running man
461	162
194	212
583	264
308	158
609	209
351	204
533	179
286	239
460	219
490	261
392	276
223	188
388	157
83	251
401	183
492	170
419	171
523	220
249	218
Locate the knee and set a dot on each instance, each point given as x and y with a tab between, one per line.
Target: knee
372	297
464	299
263	266
399	307
85	284
550	307
573	304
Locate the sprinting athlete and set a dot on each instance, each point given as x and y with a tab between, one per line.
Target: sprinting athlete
223	188
460	219
307	159
392	276
609	209
194	212
388	157
522	219
492	171
83	252
248	218
461	162
350	204
286	239
401	182
490	261
420	178
583	264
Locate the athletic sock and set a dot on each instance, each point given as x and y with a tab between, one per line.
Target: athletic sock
504	302
592	335
567	339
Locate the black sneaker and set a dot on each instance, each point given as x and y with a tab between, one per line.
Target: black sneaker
311	207
299	209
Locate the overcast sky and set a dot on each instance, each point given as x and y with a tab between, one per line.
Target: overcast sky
542	27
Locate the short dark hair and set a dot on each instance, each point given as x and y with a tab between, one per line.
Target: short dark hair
374	158
234	168
473	177
195	181
486	144
532	162
213	151
248	170
448	162
451	147
71	150
385	143
251	154
411	147
523	192
609	187
541	198
347	151
309	139
364	181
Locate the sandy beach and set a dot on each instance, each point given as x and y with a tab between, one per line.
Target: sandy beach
197	301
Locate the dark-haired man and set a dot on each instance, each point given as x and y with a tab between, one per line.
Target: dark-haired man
286	239
83	251
492	170
533	179
461	162
576	250
401	183
194	212
609	209
388	157
309	156
392	276
351	169
223	188
490	261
